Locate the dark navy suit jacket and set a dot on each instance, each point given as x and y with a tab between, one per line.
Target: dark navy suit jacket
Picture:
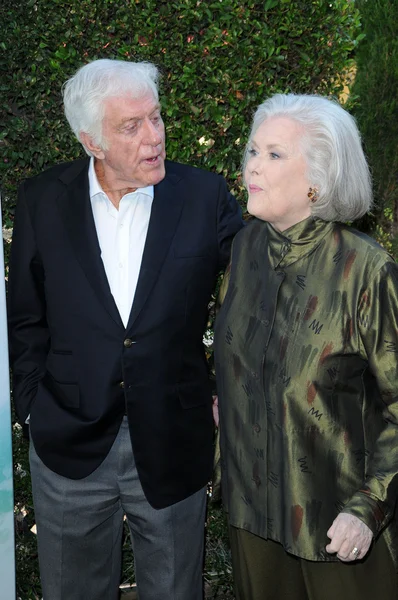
77	370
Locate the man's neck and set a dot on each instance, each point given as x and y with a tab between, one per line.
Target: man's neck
112	190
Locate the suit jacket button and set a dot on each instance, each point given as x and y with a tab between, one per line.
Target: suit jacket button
121	385
127	343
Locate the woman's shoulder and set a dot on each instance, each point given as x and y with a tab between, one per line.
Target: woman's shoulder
360	245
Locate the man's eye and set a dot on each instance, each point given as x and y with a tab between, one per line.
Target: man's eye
130	128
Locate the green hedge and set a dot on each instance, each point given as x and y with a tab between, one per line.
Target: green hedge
219	60
375	98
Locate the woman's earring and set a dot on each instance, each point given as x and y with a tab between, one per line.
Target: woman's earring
313	194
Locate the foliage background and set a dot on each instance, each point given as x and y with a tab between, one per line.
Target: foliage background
219	60
374	102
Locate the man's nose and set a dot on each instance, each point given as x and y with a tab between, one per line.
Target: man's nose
152	135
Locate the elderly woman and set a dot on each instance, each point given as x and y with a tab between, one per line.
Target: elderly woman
306	347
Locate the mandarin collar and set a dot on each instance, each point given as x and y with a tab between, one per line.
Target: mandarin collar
296	242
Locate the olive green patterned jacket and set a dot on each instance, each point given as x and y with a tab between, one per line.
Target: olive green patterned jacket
306	348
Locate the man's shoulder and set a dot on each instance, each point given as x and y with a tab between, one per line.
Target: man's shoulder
184	171
65	172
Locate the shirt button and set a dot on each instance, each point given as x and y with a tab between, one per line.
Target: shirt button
121	385
127	343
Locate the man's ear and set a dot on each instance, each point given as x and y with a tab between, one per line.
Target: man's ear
88	142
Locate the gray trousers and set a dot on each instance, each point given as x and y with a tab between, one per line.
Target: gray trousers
80	524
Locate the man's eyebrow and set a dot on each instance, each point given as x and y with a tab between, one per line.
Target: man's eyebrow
129	120
135	119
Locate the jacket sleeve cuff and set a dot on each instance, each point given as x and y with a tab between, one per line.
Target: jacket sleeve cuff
368	510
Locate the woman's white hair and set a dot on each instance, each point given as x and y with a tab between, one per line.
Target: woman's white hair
84	94
336	163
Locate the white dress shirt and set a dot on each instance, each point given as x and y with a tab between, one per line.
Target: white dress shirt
121	236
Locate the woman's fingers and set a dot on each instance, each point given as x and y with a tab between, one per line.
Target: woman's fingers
349	537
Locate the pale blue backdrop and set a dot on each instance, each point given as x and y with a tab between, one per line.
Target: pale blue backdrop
7	560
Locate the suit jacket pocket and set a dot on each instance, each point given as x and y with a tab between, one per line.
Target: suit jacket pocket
192	251
61	378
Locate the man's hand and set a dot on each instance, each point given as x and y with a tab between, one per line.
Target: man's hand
215	411
350	538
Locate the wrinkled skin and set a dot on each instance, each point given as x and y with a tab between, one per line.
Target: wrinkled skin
346	533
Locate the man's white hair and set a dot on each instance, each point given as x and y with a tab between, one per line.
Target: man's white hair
85	93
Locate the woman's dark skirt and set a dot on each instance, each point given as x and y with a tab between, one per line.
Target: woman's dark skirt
264	571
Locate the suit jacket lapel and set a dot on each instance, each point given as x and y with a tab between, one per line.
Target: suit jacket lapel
77	214
165	214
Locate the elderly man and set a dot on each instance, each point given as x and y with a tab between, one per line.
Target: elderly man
113	262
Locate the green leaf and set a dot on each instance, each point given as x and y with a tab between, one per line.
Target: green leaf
270	4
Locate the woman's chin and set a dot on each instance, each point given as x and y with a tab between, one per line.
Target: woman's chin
253	210
256	213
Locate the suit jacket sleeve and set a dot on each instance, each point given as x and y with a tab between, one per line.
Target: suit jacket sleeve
229	219
28	330
378	318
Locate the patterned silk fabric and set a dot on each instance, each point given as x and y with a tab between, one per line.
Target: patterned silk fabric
306	348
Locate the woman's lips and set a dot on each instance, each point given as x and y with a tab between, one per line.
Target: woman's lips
254	188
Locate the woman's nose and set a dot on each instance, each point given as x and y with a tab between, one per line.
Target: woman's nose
254	165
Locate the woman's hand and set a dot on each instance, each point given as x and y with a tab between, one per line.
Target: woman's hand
215	411
349	537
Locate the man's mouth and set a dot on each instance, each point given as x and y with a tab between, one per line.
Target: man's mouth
153	159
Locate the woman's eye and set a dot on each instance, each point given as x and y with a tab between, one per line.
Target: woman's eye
252	152
274	155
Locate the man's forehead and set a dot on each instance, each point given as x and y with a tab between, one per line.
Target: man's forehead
126	107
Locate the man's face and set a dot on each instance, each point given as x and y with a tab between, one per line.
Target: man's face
135	137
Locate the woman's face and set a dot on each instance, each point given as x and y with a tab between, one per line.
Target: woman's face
275	174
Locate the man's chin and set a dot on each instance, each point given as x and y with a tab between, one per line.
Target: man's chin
157	175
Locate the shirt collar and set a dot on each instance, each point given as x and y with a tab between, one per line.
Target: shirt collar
297	241
95	187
